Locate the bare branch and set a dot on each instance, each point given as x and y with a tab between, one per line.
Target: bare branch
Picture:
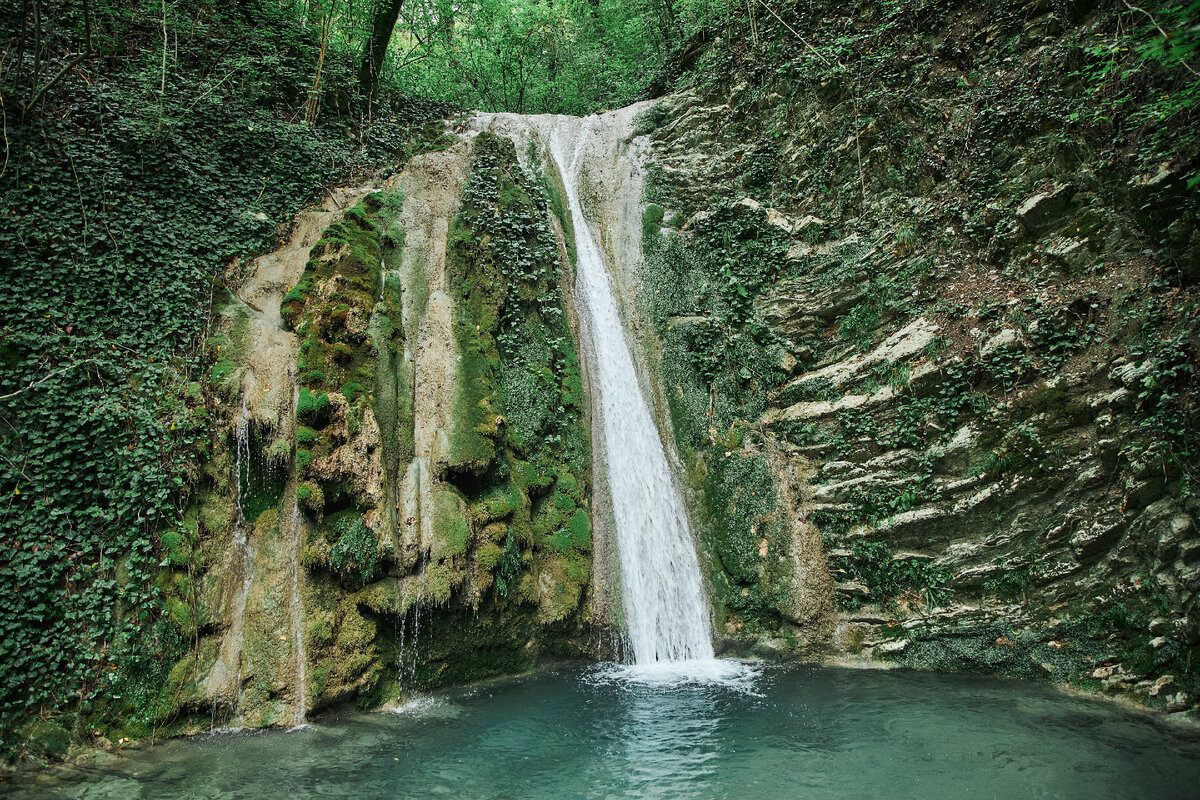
793	30
1166	36
49	376
74	62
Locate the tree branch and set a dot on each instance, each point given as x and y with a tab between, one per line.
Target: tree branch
793	30
74	62
49	376
1166	36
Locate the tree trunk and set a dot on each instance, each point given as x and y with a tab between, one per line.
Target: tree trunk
375	50
445	16
672	24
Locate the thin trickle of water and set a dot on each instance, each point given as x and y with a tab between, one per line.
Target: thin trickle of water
242	462
665	606
399	629
241	442
422	568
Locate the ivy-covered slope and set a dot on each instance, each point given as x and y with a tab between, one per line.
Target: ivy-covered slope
124	199
929	269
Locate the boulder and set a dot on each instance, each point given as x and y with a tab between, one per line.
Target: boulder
1041	211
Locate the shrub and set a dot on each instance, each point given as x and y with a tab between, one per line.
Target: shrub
356	550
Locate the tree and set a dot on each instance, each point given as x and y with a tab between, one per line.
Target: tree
383	22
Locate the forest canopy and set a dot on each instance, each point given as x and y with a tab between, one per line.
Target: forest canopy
525	56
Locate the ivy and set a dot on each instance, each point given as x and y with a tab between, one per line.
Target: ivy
356	550
1166	397
887	577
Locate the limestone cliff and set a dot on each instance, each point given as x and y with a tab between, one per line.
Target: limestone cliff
923	342
929	345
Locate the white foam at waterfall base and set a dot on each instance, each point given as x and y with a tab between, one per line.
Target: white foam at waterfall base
427	706
665	607
737	676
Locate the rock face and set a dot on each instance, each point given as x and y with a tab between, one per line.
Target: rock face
956	380
399	495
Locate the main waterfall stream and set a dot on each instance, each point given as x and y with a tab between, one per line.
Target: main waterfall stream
665	609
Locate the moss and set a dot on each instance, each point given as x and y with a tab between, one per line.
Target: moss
527	476
385	596
214	513
311	499
293	302
566	575
180	614
343	648
652	219
552	513
475	423
569	485
498	503
572	383
580	530
502	639
47	739
439	584
318	629
221	370
313	408
172	543
487	556
450	524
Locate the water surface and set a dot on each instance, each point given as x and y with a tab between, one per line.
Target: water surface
796	732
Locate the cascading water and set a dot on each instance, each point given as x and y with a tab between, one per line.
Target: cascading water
665	607
241	439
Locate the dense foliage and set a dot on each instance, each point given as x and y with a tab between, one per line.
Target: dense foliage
126	189
934	160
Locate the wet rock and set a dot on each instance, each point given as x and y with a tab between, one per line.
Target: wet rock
893	648
1161	684
851	589
770	648
976	576
1178	702
1097	537
47	739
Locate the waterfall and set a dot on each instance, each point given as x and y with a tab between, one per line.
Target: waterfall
665	607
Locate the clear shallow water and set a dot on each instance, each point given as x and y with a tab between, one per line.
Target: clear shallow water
796	732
